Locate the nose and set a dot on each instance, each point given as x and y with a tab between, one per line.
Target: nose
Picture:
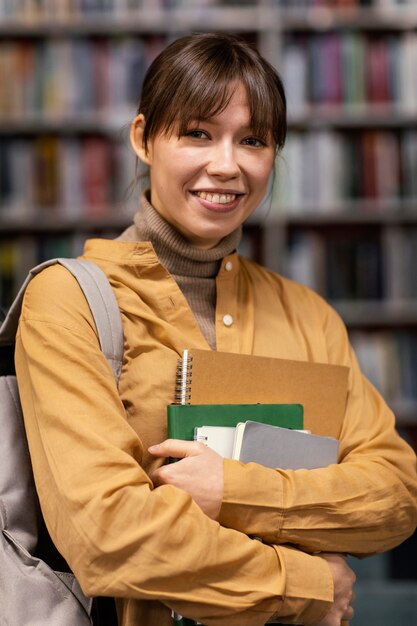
223	161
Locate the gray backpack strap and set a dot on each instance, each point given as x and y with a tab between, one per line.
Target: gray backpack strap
104	308
101	300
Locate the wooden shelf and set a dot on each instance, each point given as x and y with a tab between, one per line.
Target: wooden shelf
398	18
209	18
144	22
22	225
97	122
375	314
367	115
350	212
405	413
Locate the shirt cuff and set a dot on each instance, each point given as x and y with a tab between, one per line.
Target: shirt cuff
252	500
309	587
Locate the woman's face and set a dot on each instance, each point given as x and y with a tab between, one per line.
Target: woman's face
208	181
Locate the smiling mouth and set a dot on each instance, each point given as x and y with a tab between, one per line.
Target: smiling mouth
216	198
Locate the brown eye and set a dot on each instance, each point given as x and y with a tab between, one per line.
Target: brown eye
196	134
254	141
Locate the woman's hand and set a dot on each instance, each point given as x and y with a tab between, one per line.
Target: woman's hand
199	472
343	581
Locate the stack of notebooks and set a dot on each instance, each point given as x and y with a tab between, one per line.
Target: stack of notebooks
280	413
270	434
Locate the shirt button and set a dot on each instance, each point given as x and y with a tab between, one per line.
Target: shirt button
227	320
228	266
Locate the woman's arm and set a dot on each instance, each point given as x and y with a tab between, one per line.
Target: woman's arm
365	504
121	536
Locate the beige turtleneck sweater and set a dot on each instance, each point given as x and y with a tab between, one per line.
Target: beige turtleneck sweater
193	269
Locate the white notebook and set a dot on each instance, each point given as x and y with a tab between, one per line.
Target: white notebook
219	438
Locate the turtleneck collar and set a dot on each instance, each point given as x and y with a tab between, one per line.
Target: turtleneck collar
173	250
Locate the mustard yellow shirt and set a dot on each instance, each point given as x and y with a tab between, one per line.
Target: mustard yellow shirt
154	549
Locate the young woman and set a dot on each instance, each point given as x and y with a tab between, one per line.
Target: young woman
164	537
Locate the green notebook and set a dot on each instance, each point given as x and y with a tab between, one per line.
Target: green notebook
183	418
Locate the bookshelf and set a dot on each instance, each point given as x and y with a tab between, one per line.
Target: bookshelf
346	198
344	213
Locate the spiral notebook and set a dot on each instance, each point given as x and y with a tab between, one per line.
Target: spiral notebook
208	377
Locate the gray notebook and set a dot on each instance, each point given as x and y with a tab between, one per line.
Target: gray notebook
283	448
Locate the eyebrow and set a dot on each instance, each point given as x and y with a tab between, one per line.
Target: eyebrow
212	120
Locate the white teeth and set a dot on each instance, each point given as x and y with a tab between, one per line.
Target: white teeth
217	198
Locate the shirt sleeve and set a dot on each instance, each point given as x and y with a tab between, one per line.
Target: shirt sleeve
365	504
120	536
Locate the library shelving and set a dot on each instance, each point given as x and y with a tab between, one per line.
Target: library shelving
344	210
346	195
344	213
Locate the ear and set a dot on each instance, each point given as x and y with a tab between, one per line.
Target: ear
137	128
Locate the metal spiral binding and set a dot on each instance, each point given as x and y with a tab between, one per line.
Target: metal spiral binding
183	379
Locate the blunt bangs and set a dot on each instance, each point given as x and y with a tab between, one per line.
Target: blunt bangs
194	79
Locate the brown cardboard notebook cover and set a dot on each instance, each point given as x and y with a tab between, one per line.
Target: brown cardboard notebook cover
222	378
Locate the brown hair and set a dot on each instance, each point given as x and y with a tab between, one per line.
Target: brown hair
191	80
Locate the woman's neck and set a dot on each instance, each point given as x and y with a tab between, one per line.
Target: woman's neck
194	269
